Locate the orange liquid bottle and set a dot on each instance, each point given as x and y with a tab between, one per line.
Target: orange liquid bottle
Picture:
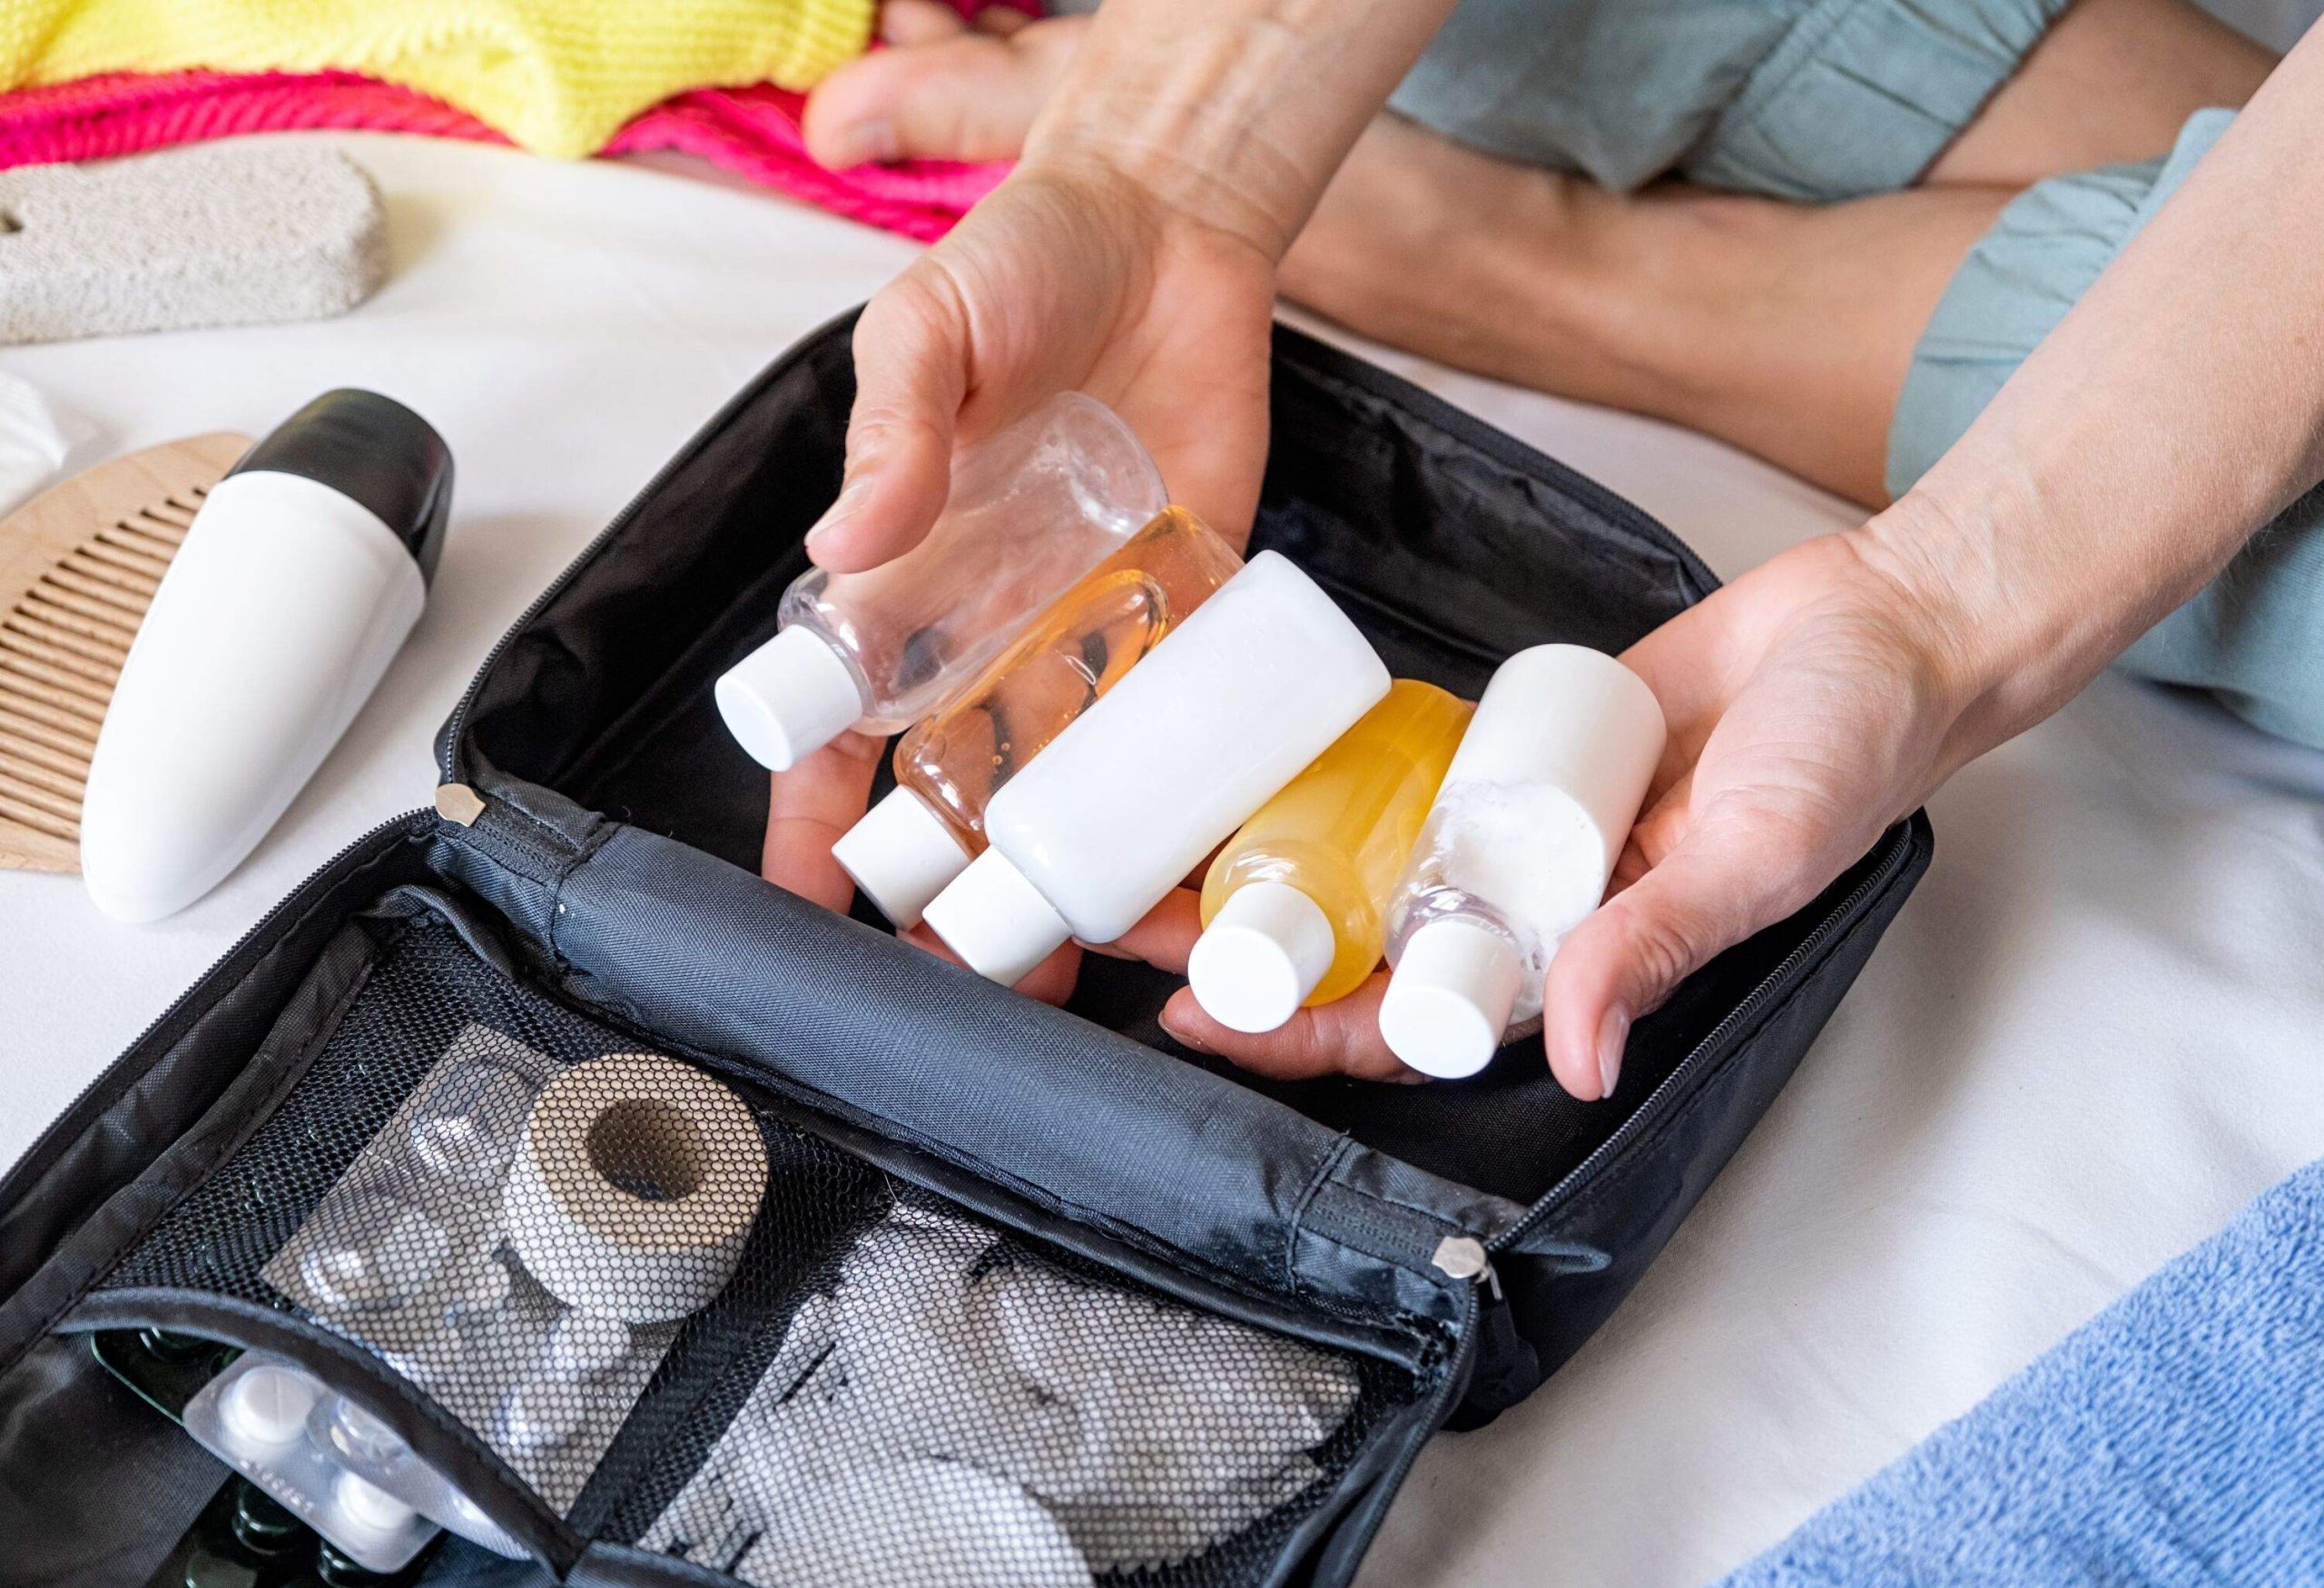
947	767
1294	907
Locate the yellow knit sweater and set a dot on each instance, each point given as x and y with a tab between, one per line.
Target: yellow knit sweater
558	77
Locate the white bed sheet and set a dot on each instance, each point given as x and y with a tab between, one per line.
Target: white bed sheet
2092	1035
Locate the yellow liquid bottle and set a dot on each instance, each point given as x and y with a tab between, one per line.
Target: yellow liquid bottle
951	764
1295	908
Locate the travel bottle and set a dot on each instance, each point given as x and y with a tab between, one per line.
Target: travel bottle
1517	850
1295	908
1136	790
1031	509
951	764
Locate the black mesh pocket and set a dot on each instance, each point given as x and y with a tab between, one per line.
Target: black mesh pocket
688	1320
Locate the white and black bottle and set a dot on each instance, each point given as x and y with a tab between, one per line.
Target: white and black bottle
302	573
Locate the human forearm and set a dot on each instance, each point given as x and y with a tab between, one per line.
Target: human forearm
1238	111
2174	411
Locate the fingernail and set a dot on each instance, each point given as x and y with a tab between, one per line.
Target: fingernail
865	143
842	508
1613	1031
1184	1038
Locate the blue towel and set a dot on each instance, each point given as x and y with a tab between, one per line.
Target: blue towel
2176	1438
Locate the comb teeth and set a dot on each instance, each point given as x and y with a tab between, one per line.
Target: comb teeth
65	632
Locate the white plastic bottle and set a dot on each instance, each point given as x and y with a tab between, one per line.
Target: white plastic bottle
1517	851
1099	827
1030	511
296	583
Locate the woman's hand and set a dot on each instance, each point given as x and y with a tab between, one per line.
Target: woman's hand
1130	256
1070	276
1812	703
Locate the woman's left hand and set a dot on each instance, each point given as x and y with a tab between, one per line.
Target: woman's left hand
1811	704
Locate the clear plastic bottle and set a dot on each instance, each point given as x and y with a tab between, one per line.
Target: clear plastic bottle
1517	850
1295	908
1031	509
947	767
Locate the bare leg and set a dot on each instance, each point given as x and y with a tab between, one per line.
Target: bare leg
1783	329
2113	80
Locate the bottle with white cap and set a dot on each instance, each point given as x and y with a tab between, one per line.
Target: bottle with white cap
1517	851
1139	788
1031	509
951	764
1295	908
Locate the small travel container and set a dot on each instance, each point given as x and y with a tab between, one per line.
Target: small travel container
649	1225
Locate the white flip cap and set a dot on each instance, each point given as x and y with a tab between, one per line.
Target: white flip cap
1449	999
1260	957
997	920
789	698
902	855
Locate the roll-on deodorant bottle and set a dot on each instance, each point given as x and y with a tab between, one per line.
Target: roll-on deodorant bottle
1517	850
1030	511
1137	791
298	579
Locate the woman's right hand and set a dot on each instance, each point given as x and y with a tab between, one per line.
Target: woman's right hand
1071	275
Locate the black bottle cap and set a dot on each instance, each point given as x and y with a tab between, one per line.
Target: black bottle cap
374	451
262	1525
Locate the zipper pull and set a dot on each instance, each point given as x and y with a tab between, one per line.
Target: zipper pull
458	804
1462	1257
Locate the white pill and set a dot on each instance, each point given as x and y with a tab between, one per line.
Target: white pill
267	1407
368	1507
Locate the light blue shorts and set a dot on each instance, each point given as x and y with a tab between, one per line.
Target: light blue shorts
1803	99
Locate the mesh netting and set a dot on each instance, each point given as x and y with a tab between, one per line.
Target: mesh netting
688	1323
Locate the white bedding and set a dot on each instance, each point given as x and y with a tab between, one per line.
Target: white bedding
2092	1035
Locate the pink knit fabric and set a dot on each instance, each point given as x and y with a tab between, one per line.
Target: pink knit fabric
752	131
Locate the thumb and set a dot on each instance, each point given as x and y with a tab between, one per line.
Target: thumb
1718	886
911	361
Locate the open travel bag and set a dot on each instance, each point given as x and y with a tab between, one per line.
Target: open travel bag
1014	1295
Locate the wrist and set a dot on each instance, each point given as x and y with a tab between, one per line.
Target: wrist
1232	112
1172	192
2010	636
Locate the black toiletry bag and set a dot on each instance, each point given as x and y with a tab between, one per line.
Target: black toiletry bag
1272	1294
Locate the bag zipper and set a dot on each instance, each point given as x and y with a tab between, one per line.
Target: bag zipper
1671	1084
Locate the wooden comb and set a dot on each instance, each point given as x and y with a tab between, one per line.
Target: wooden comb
78	565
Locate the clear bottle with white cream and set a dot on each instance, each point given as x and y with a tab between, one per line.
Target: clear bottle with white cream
1516	852
1123	803
1031	509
